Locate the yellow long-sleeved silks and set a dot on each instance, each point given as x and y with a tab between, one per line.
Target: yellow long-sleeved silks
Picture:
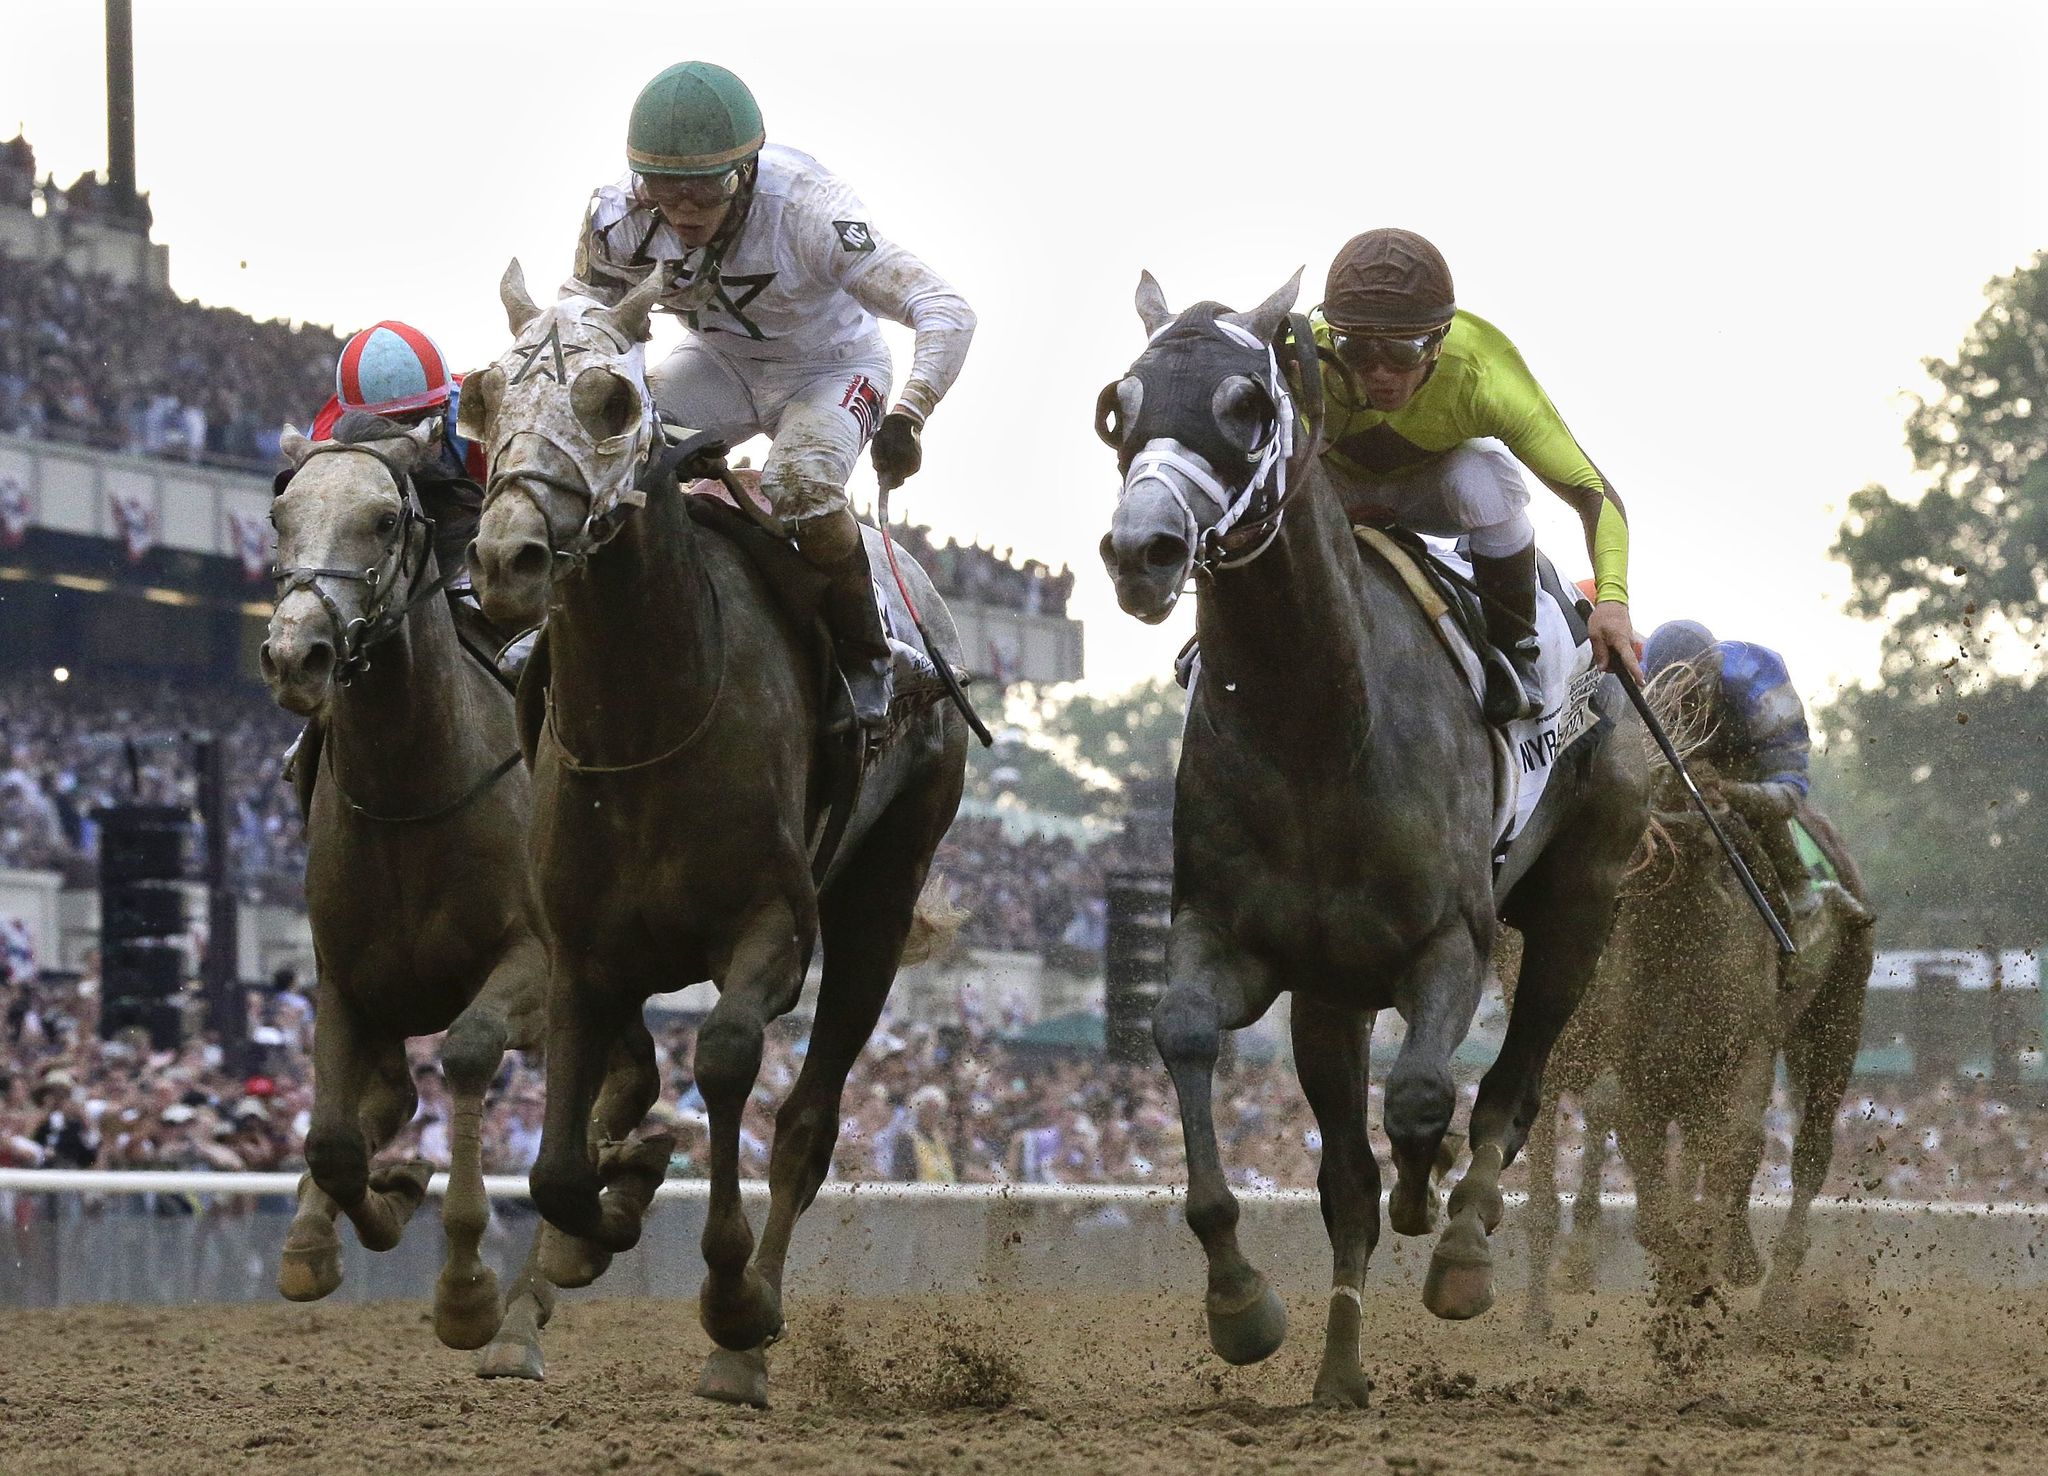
1480	387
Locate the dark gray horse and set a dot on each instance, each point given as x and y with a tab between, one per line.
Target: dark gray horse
416	823
1333	825
674	784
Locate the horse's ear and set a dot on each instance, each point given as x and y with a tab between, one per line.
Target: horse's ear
630	314
473	404
520	308
423	438
295	446
1152	309
1264	320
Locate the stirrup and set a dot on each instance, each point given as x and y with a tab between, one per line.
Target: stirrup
1513	689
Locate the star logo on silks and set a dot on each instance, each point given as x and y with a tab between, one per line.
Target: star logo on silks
855	235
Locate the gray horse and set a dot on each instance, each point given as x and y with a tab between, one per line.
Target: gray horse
1689	1011
676	771
1333	825
416	811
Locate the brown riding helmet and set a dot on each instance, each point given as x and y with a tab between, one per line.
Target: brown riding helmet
1389	282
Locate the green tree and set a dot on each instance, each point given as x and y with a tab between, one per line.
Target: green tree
1936	770
1076	754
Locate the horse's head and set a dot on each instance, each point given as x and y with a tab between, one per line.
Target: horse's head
351	544
567	418
1203	428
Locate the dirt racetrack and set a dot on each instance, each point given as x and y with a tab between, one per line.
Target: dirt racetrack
1945	1380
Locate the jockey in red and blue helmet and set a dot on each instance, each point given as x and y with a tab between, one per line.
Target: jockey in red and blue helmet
394	370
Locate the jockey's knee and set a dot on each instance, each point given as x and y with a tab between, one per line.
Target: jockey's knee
800	497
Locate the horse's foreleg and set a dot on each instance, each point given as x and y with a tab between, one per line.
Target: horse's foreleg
737	1307
514	1351
585	1019
1542	1217
1437	1001
1214	988
310	1266
1330	1049
1820	1052
466	1310
1735	1156
1581	1267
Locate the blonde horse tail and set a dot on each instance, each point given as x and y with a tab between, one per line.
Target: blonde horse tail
935	925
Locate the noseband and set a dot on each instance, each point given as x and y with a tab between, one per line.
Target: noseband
383	612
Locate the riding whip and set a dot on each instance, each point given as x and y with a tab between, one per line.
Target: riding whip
1756	895
944	667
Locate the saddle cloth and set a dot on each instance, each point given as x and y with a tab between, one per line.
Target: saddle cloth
1526	753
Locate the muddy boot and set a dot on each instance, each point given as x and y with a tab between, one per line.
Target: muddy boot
1514	684
834	546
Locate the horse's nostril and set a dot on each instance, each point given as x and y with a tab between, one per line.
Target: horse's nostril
1166	551
266	663
318	661
531	562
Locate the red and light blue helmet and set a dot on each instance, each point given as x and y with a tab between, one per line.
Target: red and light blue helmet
390	368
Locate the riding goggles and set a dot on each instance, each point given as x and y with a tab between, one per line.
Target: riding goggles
1401	353
699	191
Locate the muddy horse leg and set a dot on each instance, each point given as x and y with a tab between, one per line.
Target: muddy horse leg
863	921
1214	988
1330	1049
514	1351
1437	1002
466	1309
737	1306
1820	1052
1731	1170
1580	1270
1541	1218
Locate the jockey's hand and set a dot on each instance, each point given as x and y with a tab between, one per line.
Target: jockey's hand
1614	638
898	450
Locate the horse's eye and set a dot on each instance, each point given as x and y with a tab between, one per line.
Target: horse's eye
387	522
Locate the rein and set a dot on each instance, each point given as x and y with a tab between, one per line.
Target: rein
381	619
461	802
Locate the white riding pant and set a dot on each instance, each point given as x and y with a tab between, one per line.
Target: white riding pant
819	412
1474	489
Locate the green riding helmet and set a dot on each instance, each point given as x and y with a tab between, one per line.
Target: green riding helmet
693	119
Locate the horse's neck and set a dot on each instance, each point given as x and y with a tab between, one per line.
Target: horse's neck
404	730
1287	640
633	643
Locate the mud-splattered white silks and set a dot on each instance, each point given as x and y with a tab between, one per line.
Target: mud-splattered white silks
783	336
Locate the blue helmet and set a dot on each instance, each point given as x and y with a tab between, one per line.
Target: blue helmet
1675	641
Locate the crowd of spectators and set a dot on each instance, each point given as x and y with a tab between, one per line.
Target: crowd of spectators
963	571
957	1103
133	368
63	755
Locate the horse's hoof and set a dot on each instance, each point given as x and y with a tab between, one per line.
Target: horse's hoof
1344	1388
403	1185
512	1360
748	1317
1251	1329
567	1261
1412	1213
735	1378
308	1270
638	1164
466	1309
1460	1280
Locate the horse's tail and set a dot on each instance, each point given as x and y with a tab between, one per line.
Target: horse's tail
934	925
1689	727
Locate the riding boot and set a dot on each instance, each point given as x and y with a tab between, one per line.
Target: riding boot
834	546
1507	587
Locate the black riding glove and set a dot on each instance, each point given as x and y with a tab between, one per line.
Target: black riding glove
898	450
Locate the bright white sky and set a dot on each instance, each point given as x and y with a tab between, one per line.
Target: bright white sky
1723	236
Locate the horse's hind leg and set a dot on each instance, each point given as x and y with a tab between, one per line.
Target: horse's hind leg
629	1169
396	1190
1214	988
738	1308
514	1352
1437	999
466	1310
1330	1047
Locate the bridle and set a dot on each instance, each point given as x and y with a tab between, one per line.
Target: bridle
384	611
1248	521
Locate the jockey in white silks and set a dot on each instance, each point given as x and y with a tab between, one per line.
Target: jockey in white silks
780	275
